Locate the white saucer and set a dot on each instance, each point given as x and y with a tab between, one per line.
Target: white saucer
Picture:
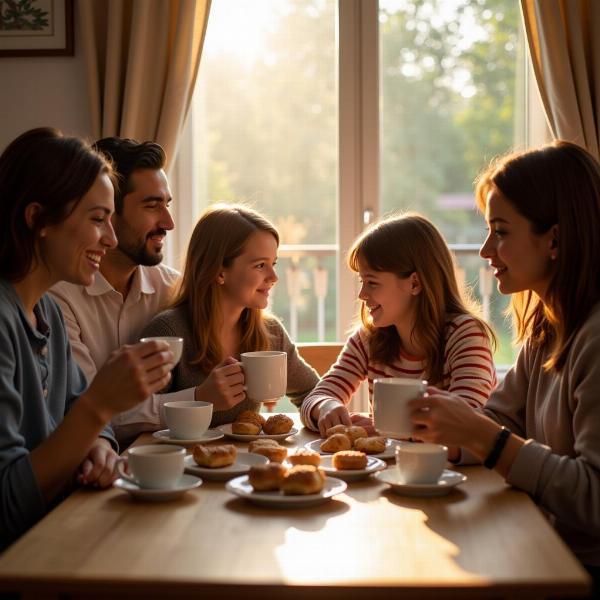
226	430
164	435
187	482
242	464
241	487
387	454
445	484
373	465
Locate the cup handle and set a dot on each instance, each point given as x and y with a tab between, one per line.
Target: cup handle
121	471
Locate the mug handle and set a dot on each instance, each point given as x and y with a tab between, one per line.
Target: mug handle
122	474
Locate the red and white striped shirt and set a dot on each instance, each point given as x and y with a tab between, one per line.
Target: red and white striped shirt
468	368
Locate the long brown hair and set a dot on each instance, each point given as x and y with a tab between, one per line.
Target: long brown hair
557	184
403	245
217	240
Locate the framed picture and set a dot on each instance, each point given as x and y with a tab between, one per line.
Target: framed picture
36	27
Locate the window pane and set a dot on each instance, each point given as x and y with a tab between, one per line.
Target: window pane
452	86
267	100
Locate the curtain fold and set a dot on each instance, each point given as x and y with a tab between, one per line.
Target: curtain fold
564	45
142	59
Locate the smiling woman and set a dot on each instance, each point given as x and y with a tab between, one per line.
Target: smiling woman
57	200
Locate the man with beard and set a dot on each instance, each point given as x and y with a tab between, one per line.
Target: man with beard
132	284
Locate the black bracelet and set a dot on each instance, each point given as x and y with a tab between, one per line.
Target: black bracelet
496	451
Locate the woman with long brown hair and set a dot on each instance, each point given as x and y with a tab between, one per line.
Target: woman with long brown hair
540	428
219	311
416	322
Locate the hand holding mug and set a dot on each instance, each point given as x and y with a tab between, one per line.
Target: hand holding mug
224	386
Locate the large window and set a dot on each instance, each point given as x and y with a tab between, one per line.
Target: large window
325	115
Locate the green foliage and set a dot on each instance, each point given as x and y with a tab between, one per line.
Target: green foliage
22	15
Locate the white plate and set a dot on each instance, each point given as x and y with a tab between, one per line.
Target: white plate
445	484
187	482
164	435
242	464
240	486
226	430
387	454
373	465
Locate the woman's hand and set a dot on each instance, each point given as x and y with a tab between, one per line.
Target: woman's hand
98	467
365	422
224	386
332	412
444	418
131	374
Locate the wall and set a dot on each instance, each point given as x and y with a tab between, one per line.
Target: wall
37	91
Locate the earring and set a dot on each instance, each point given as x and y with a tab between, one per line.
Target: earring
553	257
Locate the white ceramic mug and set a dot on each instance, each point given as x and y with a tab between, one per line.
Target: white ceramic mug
265	375
421	463
155	466
391	415
175	345
187	419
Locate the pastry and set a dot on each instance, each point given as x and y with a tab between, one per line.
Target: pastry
355	432
275	453
303	456
261	442
252	417
370	445
265	478
277	424
245	428
336	442
214	456
349	460
336	429
302	479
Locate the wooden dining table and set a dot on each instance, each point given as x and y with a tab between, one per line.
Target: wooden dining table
483	540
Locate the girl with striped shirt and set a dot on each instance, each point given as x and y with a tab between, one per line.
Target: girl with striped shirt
415	323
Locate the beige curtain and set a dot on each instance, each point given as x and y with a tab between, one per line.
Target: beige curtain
142	58
564	43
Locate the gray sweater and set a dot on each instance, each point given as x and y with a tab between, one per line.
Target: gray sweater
39	382
559	415
302	378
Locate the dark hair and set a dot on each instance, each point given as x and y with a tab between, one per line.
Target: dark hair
127	156
45	167
557	184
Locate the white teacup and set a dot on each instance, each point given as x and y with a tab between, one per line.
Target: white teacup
175	345
391	414
265	375
156	466
188	419
421	463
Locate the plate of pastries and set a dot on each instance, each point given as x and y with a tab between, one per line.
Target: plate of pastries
220	462
250	425
351	465
278	485
342	438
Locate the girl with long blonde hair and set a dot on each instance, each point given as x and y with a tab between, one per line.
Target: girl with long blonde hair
416	322
219	310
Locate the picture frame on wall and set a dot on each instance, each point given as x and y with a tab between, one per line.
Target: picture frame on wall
36	28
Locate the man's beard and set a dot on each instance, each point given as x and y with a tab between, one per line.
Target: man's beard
138	253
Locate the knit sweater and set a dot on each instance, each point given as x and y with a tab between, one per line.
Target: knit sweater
302	378
468	368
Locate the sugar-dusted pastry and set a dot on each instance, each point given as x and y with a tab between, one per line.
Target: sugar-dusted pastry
336	429
266	478
214	456
355	432
302	479
336	442
349	460
303	456
245	428
370	445
261	442
252	416
274	453
277	424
